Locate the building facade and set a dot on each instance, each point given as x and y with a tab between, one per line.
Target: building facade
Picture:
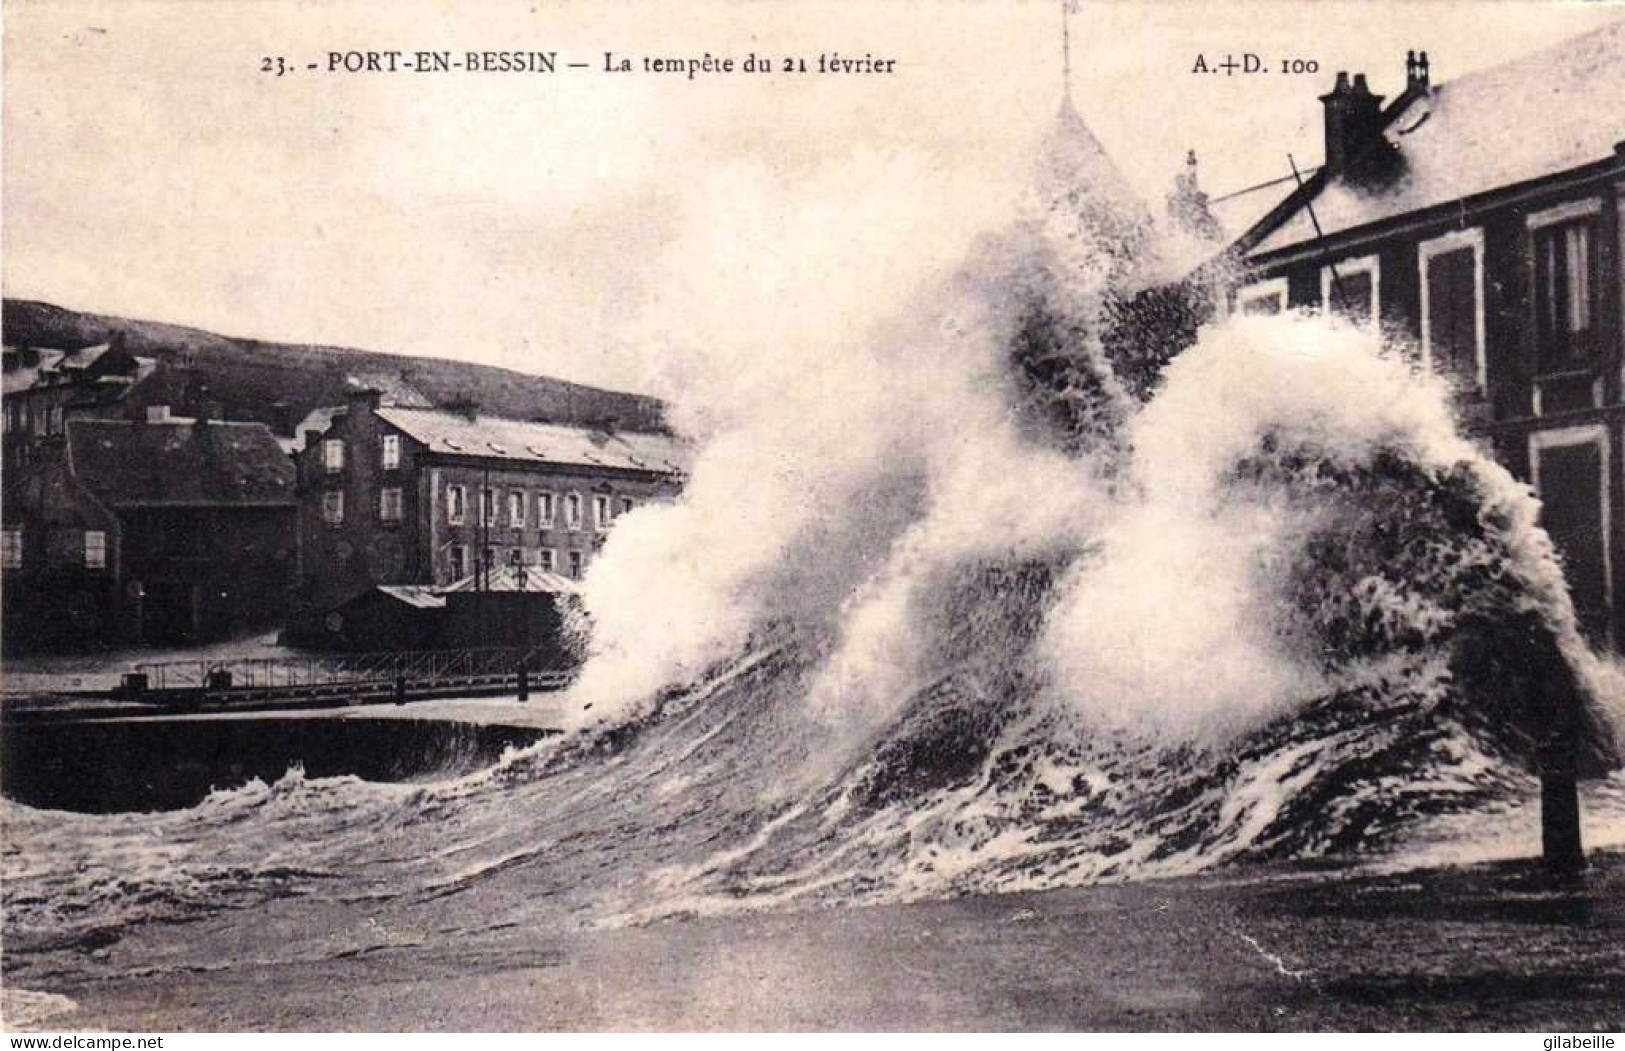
44	388
1480	224
160	530
392	495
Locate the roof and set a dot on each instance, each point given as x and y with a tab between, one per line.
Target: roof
1522	120
1239	211
1076	178
507	578
83	358
418	596
180	463
319	420
25	377
74	369
493	437
392	387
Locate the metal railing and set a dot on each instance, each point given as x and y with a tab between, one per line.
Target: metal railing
417	666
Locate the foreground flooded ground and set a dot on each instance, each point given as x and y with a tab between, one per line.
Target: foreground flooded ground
1490	947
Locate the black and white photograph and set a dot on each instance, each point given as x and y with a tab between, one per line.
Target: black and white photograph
809	516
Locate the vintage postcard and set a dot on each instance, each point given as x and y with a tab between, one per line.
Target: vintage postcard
928	515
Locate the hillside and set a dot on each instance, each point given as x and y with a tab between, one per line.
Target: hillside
277	383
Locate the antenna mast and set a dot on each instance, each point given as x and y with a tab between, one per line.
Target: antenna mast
1066	47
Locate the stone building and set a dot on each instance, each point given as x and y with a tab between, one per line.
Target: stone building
44	388
162	529
392	495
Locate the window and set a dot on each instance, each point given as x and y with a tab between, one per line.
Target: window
1350	287
1569	469
516	508
333	455
53	421
1452	282
1565	287
392	452
575	565
600	513
11	549
544	510
516	558
1264	297
489	557
389	504
488	507
572	511
456	504
544	558
95	549
333	507
627	503
457	560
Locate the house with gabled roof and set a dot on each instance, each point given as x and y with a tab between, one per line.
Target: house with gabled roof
162	529
43	388
1480	221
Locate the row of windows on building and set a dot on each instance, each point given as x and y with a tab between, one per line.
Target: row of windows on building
548	506
389	453
1562	245
92	548
544	558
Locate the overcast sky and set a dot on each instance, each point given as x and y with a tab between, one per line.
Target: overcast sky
151	170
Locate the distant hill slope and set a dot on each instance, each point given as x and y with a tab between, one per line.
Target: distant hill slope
277	383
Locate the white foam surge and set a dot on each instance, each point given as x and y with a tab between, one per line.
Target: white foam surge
1174	628
820	364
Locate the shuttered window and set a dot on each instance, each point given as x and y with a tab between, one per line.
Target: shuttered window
1453	311
1565	299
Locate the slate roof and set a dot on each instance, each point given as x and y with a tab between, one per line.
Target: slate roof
1543	113
1240	211
506	578
418	596
496	438
83	358
180	463
318	419
25	377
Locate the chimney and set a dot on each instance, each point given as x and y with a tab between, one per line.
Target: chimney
157	413
363	400
1353	123
1416	71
